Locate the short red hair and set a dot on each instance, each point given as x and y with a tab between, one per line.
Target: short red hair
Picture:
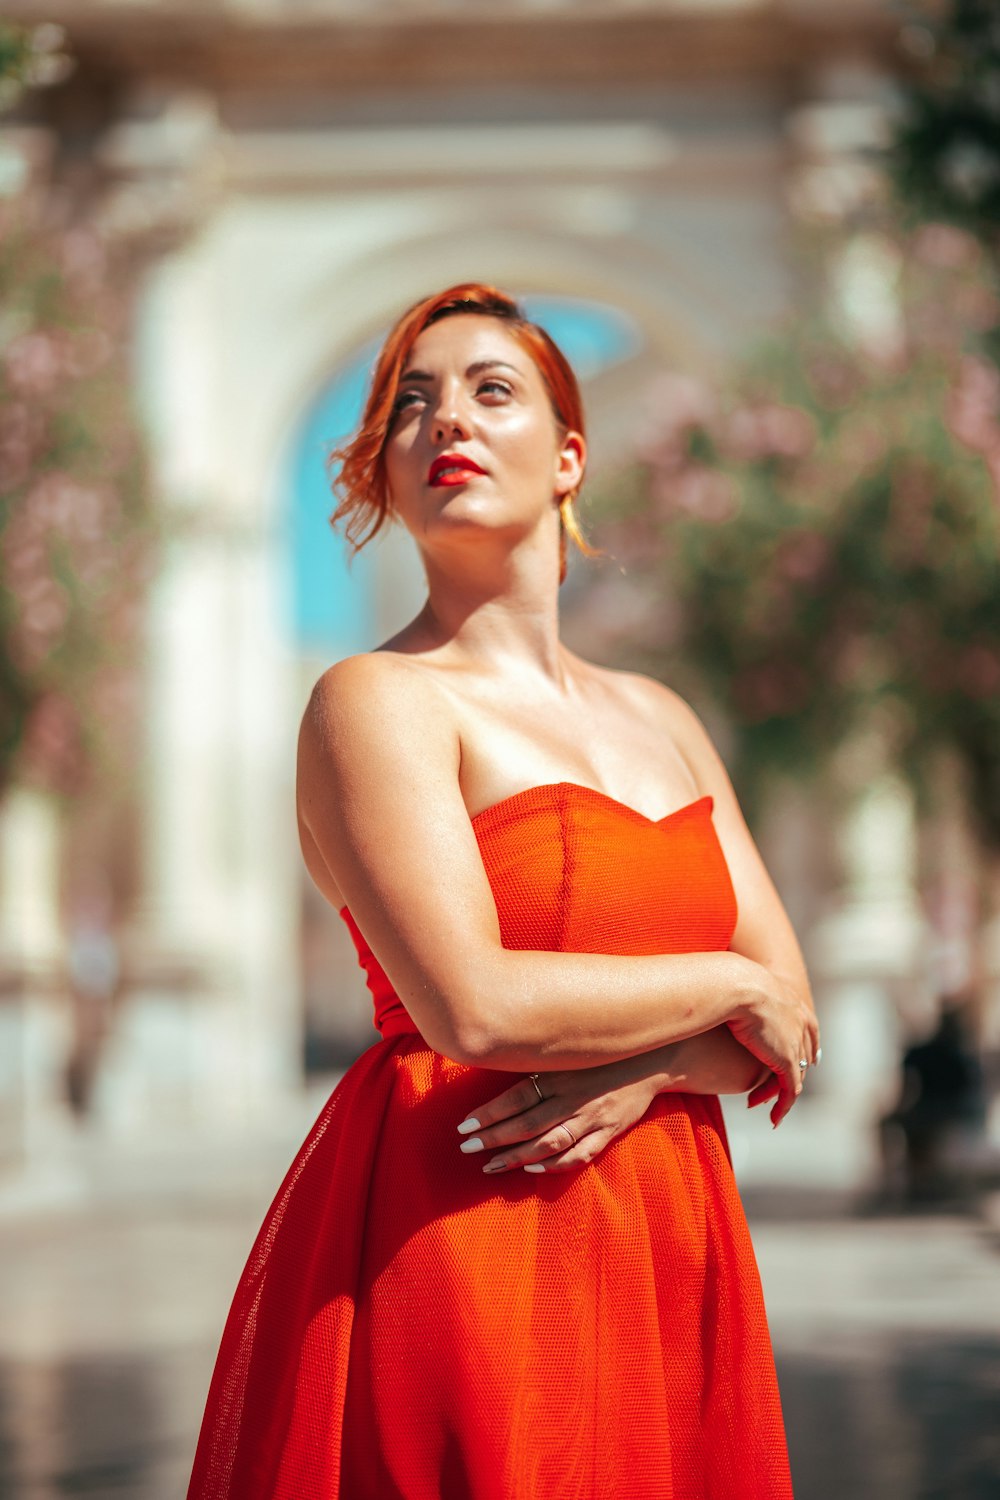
363	503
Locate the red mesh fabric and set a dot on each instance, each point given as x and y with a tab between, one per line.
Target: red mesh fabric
391	1016
407	1328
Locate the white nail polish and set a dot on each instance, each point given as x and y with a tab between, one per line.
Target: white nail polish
534	1166
468	1125
474	1145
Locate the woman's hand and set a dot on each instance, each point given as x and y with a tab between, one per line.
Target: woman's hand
583	1110
597	1104
779	1026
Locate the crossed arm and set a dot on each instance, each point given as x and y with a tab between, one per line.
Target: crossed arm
379	802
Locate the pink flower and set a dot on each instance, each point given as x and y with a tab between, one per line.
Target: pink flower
707	494
803	556
33	363
976	307
974	405
945	247
50	750
84	260
770	430
834	379
675	404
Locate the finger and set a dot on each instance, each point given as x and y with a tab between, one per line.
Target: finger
523	1127
764	1091
577	1156
552	1142
787	1095
810	1044
513	1101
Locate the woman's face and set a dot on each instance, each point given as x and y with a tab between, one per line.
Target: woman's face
473	442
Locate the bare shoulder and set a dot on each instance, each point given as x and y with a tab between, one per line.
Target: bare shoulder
373	678
376	695
650	692
377	729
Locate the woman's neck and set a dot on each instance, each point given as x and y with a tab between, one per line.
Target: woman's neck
504	623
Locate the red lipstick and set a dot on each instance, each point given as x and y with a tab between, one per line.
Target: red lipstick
452	468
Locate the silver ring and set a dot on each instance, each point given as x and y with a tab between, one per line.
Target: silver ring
534	1079
564	1126
803	1063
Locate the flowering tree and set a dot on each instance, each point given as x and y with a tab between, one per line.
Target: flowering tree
78	537
826	530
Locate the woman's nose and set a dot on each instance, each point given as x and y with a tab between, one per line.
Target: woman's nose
448	418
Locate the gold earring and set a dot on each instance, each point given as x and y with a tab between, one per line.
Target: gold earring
568	521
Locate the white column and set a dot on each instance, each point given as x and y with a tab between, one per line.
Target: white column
865	957
213	1031
33	1017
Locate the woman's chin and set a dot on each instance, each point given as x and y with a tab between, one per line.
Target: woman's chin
466	519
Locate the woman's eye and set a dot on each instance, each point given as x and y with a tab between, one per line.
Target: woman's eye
499	386
404	399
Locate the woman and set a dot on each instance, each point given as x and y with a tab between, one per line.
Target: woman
510	1261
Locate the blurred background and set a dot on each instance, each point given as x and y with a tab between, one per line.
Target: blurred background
767	234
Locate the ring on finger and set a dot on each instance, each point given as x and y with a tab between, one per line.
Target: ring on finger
803	1063
534	1080
564	1126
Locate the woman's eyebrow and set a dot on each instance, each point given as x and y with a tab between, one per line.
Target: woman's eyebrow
474	369
491	364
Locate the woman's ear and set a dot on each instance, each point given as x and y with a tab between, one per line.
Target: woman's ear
570	463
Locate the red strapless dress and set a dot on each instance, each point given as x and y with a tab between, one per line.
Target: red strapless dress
409	1328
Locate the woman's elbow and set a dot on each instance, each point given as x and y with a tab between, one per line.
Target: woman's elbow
473	1045
464	1027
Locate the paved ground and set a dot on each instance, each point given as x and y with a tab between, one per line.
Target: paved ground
116	1273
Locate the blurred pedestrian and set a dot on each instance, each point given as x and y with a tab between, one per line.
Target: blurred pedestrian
93	966
510	1259
931	1138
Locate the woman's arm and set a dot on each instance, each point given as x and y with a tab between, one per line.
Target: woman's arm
378	790
712	1063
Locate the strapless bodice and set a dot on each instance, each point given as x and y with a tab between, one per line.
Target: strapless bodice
574	870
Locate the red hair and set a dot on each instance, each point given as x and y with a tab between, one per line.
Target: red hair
363	502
